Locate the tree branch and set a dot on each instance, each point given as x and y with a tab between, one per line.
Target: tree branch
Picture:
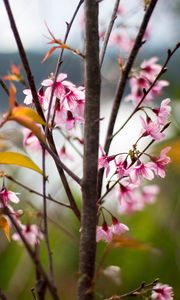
108	32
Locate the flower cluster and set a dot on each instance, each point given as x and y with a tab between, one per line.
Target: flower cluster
142	79
106	232
67	102
31	233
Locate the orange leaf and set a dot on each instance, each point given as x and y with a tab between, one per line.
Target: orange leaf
12	96
4	225
49	53
121	241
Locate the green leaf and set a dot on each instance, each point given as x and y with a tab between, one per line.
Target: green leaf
18	159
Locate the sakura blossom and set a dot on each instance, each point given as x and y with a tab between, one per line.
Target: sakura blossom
59	87
149	193
32	234
140	171
8	196
106	232
43	100
158	164
104	160
151	129
30	141
162	292
163	111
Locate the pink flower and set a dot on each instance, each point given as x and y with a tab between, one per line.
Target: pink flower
150	68
149	193
137	84
122	40
72	95
106	232
151	128
30	140
103	233
8	196
162	292
126	192
139	171
104	160
159	164
117	227
41	97
59	86
129	207
163	111
121	167
32	234
63	154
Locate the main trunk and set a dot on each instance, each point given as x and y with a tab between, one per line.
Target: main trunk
91	144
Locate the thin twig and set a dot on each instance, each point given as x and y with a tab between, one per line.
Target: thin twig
108	32
4	86
35	192
45	219
123	81
69	141
61	164
143	288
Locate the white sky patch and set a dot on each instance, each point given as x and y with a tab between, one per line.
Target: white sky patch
31	16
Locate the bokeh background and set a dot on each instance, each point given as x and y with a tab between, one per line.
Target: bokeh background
157	252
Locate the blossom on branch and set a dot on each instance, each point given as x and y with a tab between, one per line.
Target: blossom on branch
162	292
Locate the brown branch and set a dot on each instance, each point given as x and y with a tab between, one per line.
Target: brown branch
123	81
143	288
108	32
91	145
45	218
4	86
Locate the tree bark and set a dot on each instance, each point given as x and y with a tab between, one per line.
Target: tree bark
91	145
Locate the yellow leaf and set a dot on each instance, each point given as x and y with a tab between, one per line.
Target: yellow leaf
18	159
4	224
28	118
28	112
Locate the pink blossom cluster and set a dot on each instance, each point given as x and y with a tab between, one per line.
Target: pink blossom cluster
67	109
142	79
31	233
132	195
67	103
162	292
